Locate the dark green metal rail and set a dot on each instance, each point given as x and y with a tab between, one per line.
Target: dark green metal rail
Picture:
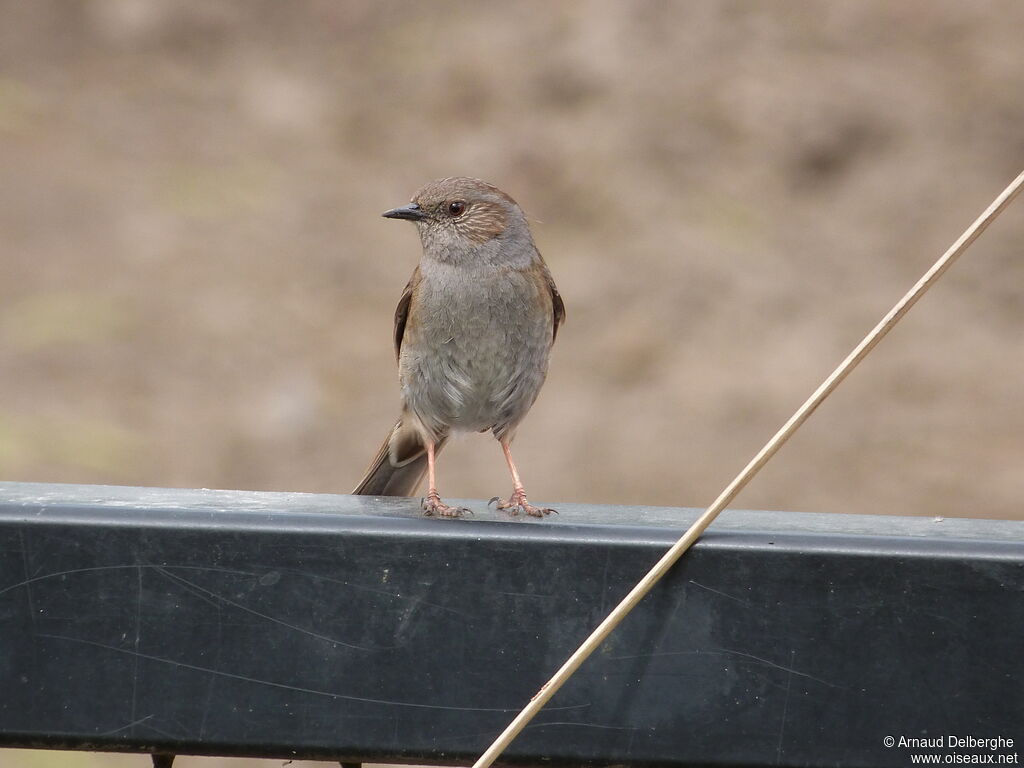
351	628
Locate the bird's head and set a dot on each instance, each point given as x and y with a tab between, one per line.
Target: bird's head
462	220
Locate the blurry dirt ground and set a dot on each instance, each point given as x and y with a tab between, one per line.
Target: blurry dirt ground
196	286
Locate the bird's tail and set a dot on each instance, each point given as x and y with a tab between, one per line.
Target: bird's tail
400	464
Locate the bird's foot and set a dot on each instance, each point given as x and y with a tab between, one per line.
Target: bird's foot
517	503
432	505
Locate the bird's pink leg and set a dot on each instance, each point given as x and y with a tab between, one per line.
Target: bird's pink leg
432	504
517	501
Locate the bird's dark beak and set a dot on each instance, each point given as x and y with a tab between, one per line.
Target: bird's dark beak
411	212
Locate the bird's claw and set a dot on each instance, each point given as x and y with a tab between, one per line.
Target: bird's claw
517	503
432	505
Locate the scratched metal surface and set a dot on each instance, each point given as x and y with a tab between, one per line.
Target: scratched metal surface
293	625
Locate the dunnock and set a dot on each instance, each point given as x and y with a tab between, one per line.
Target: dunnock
473	331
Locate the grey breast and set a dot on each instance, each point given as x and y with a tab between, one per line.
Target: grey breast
477	356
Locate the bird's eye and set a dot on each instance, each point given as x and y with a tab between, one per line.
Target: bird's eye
456	208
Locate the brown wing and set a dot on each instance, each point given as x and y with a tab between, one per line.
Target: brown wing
402	310
557	307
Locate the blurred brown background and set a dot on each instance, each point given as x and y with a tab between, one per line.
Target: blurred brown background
196	287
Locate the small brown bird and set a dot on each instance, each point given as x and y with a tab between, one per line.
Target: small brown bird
473	331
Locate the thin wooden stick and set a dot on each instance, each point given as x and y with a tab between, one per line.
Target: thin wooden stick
668	560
